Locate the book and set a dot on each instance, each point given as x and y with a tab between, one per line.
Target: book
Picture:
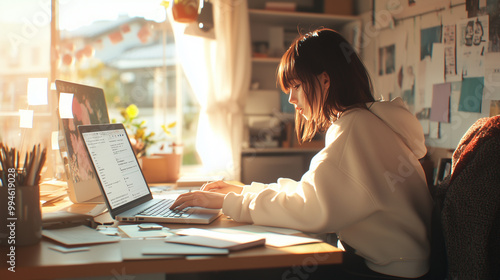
231	240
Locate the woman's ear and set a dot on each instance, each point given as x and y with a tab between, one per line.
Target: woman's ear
325	80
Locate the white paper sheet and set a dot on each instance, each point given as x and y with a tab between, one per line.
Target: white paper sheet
37	91
492	77
472	46
26	118
66	105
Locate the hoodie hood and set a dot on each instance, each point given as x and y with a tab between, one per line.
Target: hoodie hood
395	114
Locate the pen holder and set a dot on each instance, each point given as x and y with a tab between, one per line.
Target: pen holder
22	215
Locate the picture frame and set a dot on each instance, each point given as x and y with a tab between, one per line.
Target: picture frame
444	169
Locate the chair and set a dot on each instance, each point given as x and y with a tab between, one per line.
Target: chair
469	204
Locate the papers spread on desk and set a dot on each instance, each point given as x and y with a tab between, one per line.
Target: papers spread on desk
52	191
134	231
233	240
79	235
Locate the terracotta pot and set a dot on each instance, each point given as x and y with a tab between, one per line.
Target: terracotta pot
185	10
161	168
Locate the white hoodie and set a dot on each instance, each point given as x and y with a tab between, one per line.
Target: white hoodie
366	185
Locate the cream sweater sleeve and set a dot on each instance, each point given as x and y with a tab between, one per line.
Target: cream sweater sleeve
282	205
336	192
311	205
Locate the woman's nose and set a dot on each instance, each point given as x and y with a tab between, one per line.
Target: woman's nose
292	99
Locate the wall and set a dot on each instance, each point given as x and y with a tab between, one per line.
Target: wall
411	53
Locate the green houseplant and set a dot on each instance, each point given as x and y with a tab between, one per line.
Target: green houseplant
140	138
159	167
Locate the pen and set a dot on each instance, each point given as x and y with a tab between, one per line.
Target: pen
28	172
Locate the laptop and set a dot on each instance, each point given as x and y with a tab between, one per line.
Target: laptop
126	192
88	106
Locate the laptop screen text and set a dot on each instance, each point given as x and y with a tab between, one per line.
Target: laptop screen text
116	165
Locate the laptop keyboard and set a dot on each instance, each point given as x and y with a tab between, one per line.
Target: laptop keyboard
162	209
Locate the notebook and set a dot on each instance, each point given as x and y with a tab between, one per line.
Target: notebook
126	192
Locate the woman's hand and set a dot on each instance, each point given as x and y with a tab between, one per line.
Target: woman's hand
205	199
211	196
221	187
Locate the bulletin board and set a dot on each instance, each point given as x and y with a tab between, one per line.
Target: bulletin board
443	58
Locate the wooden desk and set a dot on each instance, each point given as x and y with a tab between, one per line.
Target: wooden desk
40	262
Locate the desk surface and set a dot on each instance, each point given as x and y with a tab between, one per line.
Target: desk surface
40	262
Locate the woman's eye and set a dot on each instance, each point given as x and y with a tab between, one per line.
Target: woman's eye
296	86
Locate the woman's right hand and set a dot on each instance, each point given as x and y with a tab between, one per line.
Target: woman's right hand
221	187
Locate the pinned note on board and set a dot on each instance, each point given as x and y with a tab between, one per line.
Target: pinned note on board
440	110
55	140
26	118
37	91
471	95
66	105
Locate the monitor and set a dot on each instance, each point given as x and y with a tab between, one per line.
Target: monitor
88	107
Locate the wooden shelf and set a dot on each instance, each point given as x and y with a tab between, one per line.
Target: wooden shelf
270	60
302	19
279	150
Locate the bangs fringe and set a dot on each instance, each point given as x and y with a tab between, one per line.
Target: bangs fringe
286	72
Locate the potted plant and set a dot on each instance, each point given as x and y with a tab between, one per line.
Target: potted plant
161	167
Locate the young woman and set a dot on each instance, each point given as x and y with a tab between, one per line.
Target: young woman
366	185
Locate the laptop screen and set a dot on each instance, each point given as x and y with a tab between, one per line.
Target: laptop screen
115	164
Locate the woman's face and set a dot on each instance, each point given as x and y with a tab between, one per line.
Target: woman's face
297	98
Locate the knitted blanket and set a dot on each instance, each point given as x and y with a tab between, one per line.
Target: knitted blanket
470	203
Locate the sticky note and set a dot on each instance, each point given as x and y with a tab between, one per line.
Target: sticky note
26	118
471	95
37	91
55	140
66	105
440	111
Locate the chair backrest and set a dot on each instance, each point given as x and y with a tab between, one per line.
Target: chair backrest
469	201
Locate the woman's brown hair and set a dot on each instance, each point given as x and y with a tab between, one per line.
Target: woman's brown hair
310	54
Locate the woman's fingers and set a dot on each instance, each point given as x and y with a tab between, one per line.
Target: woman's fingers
221	187
181	199
200	199
212	186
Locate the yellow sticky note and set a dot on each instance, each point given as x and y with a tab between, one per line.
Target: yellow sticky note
26	118
66	105
37	91
55	140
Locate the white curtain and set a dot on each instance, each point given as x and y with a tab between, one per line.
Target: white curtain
219	72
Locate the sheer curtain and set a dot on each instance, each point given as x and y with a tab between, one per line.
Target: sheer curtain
219	73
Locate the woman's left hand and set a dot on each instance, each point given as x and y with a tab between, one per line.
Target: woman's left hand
199	198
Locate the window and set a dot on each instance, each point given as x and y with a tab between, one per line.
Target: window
125	47
24	54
